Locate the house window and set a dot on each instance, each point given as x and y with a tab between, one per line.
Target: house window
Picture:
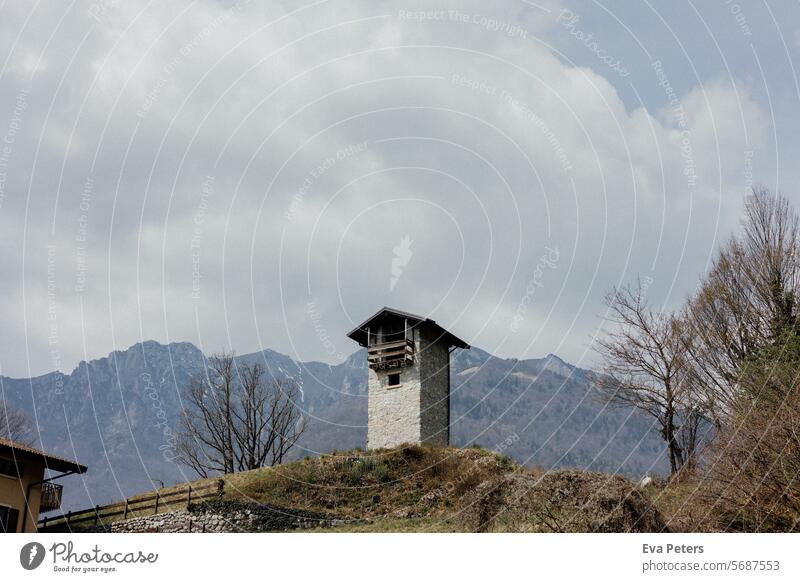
394	379
8	519
11	469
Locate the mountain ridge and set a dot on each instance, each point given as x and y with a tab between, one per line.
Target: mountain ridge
119	414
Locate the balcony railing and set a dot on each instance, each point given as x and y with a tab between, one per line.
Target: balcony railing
391	354
51	496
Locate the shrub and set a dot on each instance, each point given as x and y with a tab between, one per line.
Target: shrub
354	476
414	452
381	473
505	462
753	476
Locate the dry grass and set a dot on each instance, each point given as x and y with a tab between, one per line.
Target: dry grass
406	482
395	525
681	505
561	501
431	489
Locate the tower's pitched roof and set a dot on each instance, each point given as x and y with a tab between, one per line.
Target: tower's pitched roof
359	333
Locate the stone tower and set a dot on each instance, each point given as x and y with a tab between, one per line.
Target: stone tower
409	378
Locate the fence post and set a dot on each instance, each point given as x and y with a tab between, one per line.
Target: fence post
156	509
96	514
125	513
221	487
189	498
69	514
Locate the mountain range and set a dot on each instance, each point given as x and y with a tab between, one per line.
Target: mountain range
119	415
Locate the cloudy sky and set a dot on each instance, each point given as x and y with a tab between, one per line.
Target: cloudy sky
253	175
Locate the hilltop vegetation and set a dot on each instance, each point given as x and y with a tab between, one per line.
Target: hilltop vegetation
427	489
420	488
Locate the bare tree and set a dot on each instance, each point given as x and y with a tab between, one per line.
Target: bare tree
746	302
235	420
287	424
644	367
692	426
15	425
205	442
267	422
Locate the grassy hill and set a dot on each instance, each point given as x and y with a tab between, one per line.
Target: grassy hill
419	488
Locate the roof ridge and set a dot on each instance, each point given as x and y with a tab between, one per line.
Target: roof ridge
359	330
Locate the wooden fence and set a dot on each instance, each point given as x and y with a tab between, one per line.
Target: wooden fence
148	505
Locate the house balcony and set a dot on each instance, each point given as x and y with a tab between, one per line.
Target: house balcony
51	496
387	355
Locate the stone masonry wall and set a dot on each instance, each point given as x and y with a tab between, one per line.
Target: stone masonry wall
417	410
394	413
169	522
434	416
224	516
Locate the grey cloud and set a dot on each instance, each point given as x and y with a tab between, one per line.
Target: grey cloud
483	147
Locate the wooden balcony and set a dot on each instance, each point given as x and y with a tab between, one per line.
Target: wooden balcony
51	496
389	355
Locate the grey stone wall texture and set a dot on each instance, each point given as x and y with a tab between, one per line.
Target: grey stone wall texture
417	411
434	363
228	517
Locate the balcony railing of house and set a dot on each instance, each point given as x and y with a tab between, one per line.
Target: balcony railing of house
394	354
51	496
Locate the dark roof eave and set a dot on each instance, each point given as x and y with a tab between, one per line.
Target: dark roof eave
457	341
66	467
51	462
359	330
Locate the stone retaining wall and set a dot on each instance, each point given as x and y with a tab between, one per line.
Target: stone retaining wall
225	516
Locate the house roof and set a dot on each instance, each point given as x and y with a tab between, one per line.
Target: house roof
51	462
359	333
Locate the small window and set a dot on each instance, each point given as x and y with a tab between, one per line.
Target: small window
11	469
394	379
